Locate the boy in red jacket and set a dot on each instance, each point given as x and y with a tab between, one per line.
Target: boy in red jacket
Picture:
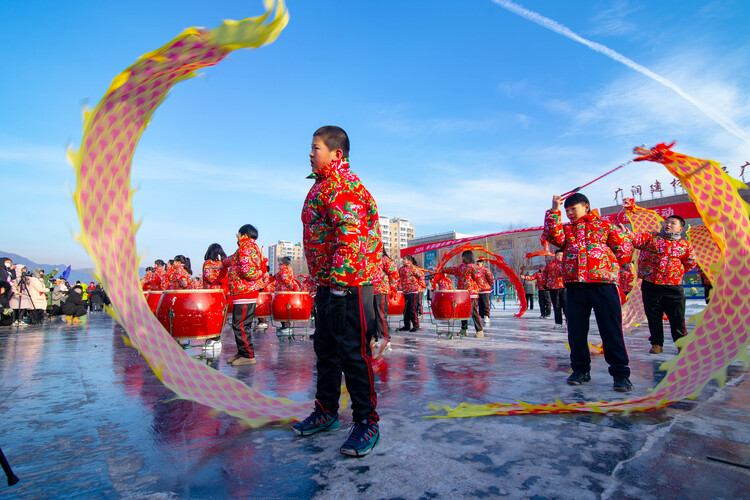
245	281
593	252
665	257
343	247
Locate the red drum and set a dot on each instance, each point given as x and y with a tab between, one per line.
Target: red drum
396	306
263	306
192	314
152	298
291	306
451	305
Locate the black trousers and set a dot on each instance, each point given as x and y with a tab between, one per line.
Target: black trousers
604	299
347	351
557	295
530	301
242	325
664	299
474	317
76	311
411	313
545	308
380	303
484	304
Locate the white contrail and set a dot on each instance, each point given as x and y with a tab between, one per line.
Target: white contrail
548	23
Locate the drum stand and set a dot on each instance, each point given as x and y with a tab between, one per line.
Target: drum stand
398	325
453	325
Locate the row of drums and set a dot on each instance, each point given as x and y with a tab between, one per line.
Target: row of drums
201	314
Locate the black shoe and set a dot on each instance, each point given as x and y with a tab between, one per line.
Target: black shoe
577	378
415	329
404	329
622	384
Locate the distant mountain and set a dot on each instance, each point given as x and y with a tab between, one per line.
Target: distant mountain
82	275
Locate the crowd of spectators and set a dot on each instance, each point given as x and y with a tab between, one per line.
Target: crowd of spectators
30	297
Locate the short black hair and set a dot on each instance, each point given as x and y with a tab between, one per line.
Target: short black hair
159	262
677	217
149	269
215	252
285	261
559	250
334	138
249	231
468	256
575	199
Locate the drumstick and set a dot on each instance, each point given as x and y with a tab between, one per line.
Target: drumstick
573	191
12	478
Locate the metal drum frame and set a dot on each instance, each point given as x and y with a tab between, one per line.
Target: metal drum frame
184	342
453	325
304	329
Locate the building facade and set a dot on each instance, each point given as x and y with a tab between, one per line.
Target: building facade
397	233
287	249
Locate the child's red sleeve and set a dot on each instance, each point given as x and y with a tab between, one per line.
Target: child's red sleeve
553	228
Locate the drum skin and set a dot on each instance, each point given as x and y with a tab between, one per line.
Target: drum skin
451	304
396	305
291	306
152	298
263	305
192	314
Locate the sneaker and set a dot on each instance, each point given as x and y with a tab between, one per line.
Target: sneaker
479	334
414	329
234	358
387	347
319	420
486	320
577	378
243	361
622	384
404	329
558	327
362	439
656	349
262	326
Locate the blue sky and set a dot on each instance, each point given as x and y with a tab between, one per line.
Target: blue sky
462	114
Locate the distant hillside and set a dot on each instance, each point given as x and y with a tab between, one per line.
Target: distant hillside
82	275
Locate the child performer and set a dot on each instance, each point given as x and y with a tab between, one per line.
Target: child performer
214	274
468	275
343	246
485	289
665	257
245	271
553	280
386	287
412	283
160	273
593	252
285	281
178	276
626	278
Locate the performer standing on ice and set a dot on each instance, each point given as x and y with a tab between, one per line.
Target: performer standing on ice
411	281
485	289
343	247
593	252
468	276
665	257
385	287
553	282
214	274
245	271
285	282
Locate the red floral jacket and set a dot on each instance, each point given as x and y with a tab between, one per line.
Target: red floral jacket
245	271
468	276
539	277
160	279
626	280
214	275
553	275
341	232
442	282
178	278
411	280
594	249
661	261
486	279
389	277
285	281
149	282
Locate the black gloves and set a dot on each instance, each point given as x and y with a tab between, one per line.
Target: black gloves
337	312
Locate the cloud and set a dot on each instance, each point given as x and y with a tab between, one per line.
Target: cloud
612	20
